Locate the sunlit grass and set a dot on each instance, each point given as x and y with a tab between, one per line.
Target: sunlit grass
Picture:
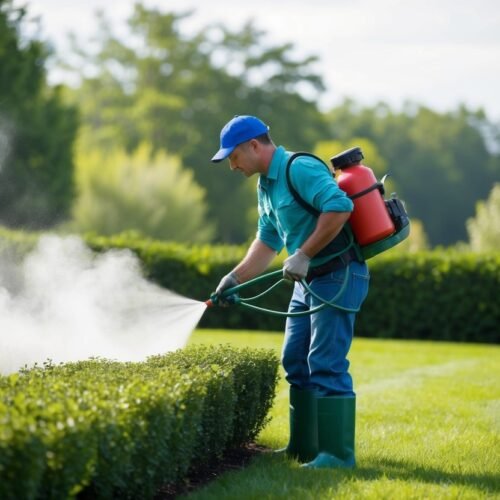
428	426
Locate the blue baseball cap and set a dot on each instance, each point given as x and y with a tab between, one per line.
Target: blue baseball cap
240	129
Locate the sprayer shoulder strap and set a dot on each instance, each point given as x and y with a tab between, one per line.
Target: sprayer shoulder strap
294	192
344	240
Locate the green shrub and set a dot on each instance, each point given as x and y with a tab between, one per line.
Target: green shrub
434	295
48	409
484	227
254	375
22	453
145	191
218	412
123	429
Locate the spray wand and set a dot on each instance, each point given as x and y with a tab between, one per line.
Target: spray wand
232	296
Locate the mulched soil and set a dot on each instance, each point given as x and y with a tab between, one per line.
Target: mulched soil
232	460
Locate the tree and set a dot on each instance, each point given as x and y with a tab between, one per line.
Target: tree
176	91
372	158
37	131
148	193
442	163
484	227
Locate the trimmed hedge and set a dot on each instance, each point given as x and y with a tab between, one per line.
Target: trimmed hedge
434	295
123	429
439	295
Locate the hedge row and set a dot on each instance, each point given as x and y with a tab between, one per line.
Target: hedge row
434	295
440	295
111	429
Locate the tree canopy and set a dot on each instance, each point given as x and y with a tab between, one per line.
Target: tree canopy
37	131
174	90
441	163
177	91
149	194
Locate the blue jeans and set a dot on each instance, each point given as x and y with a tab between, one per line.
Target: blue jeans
315	347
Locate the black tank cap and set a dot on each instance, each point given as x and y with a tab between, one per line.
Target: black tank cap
347	157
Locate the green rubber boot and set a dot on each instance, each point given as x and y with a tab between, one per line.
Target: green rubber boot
336	426
303	443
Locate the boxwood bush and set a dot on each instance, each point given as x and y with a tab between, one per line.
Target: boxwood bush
433	295
255	365
107	429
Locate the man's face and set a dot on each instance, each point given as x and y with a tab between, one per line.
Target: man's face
244	159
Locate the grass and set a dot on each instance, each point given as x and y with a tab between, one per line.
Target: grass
428	426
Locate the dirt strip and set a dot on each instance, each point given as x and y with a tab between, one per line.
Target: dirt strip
233	460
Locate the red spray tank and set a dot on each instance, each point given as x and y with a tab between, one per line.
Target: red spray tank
370	221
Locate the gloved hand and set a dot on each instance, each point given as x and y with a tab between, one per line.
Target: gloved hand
228	281
296	266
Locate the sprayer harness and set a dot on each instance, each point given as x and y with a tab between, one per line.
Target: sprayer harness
341	250
343	247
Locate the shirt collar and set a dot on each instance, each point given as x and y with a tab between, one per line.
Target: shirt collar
274	166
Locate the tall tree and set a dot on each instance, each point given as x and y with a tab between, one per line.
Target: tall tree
442	163
36	131
176	91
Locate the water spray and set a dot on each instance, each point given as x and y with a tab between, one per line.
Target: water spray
66	303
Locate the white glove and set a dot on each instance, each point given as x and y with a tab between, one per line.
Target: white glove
296	266
228	281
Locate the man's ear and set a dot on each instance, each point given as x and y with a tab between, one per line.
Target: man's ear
254	145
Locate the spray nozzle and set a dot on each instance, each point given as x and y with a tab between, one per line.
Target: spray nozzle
224	298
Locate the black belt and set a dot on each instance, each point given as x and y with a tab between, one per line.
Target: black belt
334	264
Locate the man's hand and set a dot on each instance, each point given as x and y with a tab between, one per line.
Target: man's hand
228	281
296	266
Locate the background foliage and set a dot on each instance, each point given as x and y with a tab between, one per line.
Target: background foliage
37	131
442	163
438	295
427	295
173	90
176	92
143	192
484	227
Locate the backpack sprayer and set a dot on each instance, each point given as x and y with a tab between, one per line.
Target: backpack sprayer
375	226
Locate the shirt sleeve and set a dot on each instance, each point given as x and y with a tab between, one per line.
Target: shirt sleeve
316	185
266	231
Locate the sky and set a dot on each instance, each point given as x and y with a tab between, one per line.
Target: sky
439	53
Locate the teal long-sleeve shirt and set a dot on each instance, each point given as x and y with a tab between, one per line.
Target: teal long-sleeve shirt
282	221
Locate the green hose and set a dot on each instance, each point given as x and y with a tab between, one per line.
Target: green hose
232	296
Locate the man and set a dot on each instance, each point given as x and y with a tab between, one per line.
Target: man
322	400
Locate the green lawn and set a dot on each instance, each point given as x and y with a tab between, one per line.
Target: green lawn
428	426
